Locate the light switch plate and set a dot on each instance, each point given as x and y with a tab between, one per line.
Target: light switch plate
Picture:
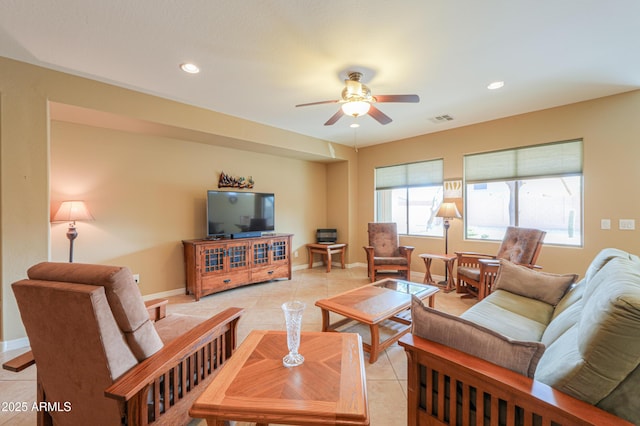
627	224
605	224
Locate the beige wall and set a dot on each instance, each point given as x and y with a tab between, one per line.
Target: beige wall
147	194
611	131
126	153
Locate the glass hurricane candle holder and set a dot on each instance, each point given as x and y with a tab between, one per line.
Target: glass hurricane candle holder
293	318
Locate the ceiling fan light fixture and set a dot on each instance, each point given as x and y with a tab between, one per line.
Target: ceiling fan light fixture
356	108
496	85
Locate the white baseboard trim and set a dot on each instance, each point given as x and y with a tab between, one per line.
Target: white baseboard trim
9	345
333	265
163	294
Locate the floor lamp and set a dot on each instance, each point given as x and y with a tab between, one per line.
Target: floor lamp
447	212
72	211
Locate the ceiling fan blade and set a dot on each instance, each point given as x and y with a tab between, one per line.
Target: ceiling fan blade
397	98
335	117
379	116
318	103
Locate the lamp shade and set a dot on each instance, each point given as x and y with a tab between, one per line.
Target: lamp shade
448	211
356	108
71	211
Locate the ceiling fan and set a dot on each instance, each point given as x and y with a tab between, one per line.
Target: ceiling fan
357	100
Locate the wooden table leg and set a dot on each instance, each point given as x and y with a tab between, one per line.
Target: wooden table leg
451	285
432	300
325	319
428	279
310	257
328	260
375	343
342	256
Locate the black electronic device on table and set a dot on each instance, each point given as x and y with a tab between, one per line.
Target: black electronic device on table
326	236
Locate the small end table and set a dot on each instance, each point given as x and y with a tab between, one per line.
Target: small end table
449	260
326	250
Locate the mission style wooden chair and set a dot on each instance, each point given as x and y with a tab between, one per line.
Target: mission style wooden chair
384	252
476	272
100	358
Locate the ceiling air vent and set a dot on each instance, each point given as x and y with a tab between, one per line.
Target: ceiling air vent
441	118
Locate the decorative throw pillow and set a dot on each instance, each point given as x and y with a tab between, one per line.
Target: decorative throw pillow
466	336
527	282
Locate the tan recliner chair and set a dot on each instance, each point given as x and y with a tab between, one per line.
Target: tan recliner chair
101	360
384	252
476	271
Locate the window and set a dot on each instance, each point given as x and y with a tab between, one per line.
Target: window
534	187
410	195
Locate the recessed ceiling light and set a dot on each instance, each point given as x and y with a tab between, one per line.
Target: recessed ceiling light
190	68
354	125
495	85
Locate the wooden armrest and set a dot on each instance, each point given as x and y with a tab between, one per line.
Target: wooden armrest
514	388
489	262
406	252
20	362
474	254
134	380
488	266
529	265
369	250
157	308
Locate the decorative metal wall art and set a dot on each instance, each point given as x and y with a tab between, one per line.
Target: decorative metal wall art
227	181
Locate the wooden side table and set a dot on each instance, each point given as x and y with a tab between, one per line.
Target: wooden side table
326	250
449	260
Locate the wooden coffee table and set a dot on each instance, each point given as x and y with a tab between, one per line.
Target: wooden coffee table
254	386
378	312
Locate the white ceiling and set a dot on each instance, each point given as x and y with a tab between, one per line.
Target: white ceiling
260	58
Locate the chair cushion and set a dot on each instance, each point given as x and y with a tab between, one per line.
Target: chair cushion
512	315
383	237
471	273
466	336
519	244
400	261
78	347
543	286
122	294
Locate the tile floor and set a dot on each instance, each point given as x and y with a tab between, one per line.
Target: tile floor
386	379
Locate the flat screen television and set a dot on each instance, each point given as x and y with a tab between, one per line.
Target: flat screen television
232	213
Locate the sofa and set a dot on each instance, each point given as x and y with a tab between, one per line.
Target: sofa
540	349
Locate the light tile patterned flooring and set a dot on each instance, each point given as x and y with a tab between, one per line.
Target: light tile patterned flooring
386	379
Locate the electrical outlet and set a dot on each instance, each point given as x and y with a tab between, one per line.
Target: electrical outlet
136	278
627	224
295	253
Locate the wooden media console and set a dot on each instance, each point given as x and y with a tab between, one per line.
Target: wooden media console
212	266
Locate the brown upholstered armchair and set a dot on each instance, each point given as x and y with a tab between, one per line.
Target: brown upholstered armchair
103	360
476	271
384	252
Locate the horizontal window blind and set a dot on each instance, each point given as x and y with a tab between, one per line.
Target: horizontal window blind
425	173
555	159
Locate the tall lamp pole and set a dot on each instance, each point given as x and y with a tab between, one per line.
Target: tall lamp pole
447	212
